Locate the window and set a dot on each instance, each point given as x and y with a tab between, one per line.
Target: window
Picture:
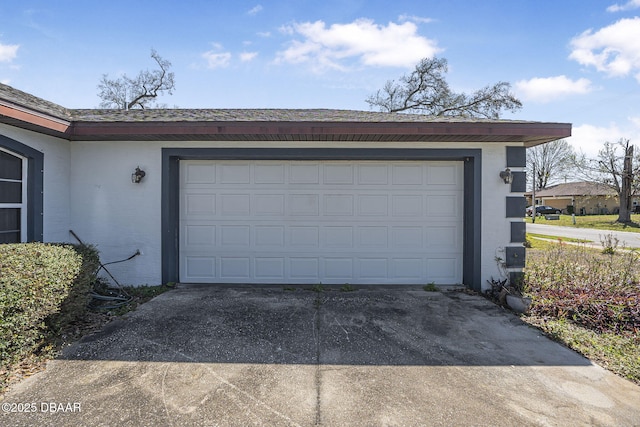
13	197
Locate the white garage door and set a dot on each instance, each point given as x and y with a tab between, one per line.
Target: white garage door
330	222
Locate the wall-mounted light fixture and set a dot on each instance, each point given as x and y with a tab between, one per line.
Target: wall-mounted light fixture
506	176
137	176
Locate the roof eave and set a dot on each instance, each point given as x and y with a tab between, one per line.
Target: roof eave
34	120
529	134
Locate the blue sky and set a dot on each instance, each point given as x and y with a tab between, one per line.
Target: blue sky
575	61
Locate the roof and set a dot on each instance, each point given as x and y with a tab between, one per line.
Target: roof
29	112
581	188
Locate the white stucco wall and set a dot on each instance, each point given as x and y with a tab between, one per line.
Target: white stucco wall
88	189
496	229
56	179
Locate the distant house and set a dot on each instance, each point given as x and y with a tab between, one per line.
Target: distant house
583	198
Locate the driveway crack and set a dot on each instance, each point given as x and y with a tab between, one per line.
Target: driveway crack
317	304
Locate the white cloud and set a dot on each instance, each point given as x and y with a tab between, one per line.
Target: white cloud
5	81
590	139
217	59
255	10
630	5
414	18
8	52
393	45
264	34
545	89
248	56
614	50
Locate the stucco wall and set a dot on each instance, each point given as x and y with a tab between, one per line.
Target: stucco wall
88	189
121	217
56	179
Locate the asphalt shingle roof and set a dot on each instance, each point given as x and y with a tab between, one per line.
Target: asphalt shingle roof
18	108
29	101
581	188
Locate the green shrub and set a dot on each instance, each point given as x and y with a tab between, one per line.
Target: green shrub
43	288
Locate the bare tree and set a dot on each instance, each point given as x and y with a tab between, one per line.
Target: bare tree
614	167
426	91
126	93
550	162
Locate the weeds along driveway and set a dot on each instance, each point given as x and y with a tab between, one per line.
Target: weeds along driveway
267	356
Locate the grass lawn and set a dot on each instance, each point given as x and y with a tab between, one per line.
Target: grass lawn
600	222
588	301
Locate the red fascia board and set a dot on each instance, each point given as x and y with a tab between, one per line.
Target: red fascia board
34	119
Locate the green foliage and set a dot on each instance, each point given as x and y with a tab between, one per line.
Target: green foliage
609	244
430	287
317	288
43	288
347	288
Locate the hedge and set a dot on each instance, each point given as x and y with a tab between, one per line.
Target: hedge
43	288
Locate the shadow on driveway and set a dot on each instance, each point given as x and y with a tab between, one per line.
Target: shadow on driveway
257	355
370	326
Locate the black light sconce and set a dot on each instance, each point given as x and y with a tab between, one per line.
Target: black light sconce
137	176
506	176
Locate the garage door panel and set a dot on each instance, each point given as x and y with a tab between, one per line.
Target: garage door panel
375	270
197	204
269	174
338	268
407	238
270	268
442	270
304	268
338	204
444	206
337	237
200	235
408	268
304	205
199	173
443	176
304	173
407	205
372	174
269	236
373	237
200	267
235	204
269	204
235	173
338	174
311	222
235	236
373	205
303	237
407	174
237	267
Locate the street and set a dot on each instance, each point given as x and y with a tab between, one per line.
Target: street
628	239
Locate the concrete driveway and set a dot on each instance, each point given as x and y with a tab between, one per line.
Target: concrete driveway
379	356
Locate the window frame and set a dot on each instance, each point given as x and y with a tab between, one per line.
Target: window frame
23	205
34	186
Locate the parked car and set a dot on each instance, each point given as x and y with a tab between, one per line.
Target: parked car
543	210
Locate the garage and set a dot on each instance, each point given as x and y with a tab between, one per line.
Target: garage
324	221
